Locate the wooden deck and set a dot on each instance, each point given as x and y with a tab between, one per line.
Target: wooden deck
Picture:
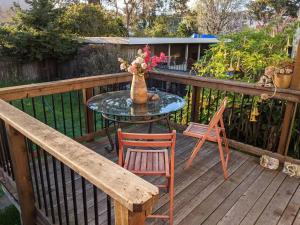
251	195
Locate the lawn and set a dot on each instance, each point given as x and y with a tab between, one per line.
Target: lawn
10	216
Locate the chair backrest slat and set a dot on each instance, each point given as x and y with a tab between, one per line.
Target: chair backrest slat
147	140
147	136
138	143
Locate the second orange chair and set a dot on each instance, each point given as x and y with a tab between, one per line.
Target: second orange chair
215	132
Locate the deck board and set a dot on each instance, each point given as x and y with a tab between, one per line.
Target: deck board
251	194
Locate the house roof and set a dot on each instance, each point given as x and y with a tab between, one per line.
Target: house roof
147	40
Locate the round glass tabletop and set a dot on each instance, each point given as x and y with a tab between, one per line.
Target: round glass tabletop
119	103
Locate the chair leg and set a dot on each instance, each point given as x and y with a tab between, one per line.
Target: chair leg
171	205
226	147
224	166
194	153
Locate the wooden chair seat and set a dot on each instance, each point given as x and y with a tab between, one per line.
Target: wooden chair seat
199	130
147	162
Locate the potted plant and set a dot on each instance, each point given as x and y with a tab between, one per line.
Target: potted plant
281	70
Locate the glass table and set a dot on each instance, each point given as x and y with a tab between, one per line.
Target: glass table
118	107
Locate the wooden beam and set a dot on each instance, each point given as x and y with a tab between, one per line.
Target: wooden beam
286	128
199	52
19	156
186	56
290	110
195	104
259	151
89	114
47	88
227	85
295	83
128	189
169	55
125	217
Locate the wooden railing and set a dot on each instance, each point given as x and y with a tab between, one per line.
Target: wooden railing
133	196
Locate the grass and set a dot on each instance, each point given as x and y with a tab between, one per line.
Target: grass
10	216
1	191
64	112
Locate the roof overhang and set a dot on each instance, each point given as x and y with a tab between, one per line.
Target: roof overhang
147	40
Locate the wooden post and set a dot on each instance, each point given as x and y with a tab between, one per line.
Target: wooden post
195	104
21	168
199	52
125	217
290	110
89	114
186	57
169	55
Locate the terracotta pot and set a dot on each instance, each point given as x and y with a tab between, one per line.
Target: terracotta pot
138	91
282	80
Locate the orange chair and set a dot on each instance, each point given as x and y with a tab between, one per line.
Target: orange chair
214	132
150	155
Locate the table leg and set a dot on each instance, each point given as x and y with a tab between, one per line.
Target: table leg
169	124
150	128
111	147
116	139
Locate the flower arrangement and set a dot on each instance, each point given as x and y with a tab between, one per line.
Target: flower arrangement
143	63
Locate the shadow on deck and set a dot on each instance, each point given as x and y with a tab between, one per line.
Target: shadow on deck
251	195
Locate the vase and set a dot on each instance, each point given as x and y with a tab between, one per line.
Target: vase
138	91
282	80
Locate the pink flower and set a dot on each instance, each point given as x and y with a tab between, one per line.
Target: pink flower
162	57
154	61
147	53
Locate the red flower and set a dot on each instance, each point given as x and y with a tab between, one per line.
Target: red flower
162	57
147	53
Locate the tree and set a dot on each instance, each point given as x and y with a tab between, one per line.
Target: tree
187	26
35	36
179	7
158	30
163	26
265	10
40	15
215	17
91	20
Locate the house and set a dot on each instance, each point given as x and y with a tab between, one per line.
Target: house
182	52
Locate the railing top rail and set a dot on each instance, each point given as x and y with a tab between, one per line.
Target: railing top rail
54	87
227	85
128	189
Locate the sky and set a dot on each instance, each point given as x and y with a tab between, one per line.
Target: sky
6	4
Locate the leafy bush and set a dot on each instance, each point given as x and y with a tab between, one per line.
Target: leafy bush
30	44
244	55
